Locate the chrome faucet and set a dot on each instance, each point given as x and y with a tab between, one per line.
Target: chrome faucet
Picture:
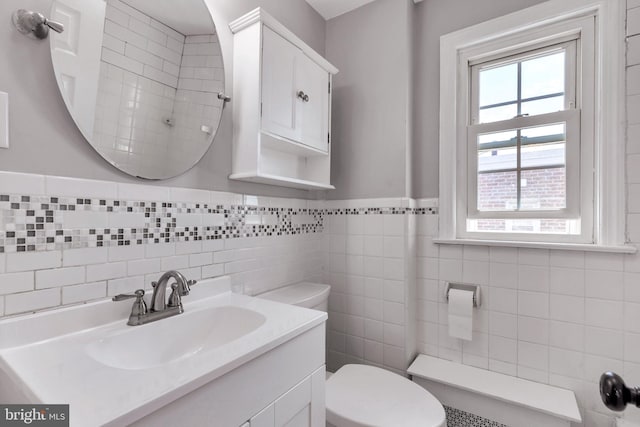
160	308
158	301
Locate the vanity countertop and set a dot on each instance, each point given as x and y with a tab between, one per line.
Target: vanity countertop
46	357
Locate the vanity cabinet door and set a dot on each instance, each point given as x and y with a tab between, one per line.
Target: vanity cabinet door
264	418
302	406
278	86
293	409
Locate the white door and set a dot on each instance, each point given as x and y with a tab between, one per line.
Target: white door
76	54
313	110
278	90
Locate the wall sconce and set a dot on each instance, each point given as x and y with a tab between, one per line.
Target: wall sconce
34	23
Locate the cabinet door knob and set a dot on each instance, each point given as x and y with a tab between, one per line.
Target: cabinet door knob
303	96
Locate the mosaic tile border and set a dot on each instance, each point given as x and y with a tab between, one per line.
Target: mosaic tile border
382	211
37	223
459	418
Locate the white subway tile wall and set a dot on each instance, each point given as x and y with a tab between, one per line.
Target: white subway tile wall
370	315
50	257
137	88
557	317
131	39
158	93
550	316
197	107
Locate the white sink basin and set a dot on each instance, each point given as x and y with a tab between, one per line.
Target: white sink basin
174	338
113	374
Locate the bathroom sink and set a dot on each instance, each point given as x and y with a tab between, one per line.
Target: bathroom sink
113	374
169	340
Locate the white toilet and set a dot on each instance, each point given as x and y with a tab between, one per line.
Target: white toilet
362	395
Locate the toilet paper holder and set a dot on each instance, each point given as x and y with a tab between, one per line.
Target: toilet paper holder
465	287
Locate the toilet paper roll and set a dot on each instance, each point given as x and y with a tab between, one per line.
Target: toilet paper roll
460	314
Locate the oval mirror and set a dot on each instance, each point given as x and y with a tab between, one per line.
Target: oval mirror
141	80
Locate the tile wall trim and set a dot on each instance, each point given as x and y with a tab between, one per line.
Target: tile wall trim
68	240
47	213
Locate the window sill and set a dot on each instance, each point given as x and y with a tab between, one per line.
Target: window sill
620	249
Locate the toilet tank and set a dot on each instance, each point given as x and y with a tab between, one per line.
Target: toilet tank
303	294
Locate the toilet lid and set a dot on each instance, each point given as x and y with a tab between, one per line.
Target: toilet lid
361	395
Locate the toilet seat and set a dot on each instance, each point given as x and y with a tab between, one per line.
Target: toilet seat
366	396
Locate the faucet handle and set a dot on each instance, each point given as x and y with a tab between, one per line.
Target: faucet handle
121	297
139	307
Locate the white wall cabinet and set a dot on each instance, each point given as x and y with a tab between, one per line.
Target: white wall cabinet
281	106
295	93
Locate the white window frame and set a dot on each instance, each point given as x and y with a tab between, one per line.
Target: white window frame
577	36
527	29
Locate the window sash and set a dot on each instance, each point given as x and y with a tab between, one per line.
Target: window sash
571	118
570	70
577	38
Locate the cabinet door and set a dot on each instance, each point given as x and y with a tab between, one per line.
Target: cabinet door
301	406
265	418
312	113
293	409
278	85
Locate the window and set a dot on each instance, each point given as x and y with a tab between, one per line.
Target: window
531	142
524	141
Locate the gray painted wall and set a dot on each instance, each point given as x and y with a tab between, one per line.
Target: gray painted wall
385	110
434	18
370	132
387	94
44	138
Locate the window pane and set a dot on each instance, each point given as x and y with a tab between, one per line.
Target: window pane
495	114
534	156
543	146
543	75
497	151
497	191
542	164
498	85
546	226
543	106
497	138
497	159
543	189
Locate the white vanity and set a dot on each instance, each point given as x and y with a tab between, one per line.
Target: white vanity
228	360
